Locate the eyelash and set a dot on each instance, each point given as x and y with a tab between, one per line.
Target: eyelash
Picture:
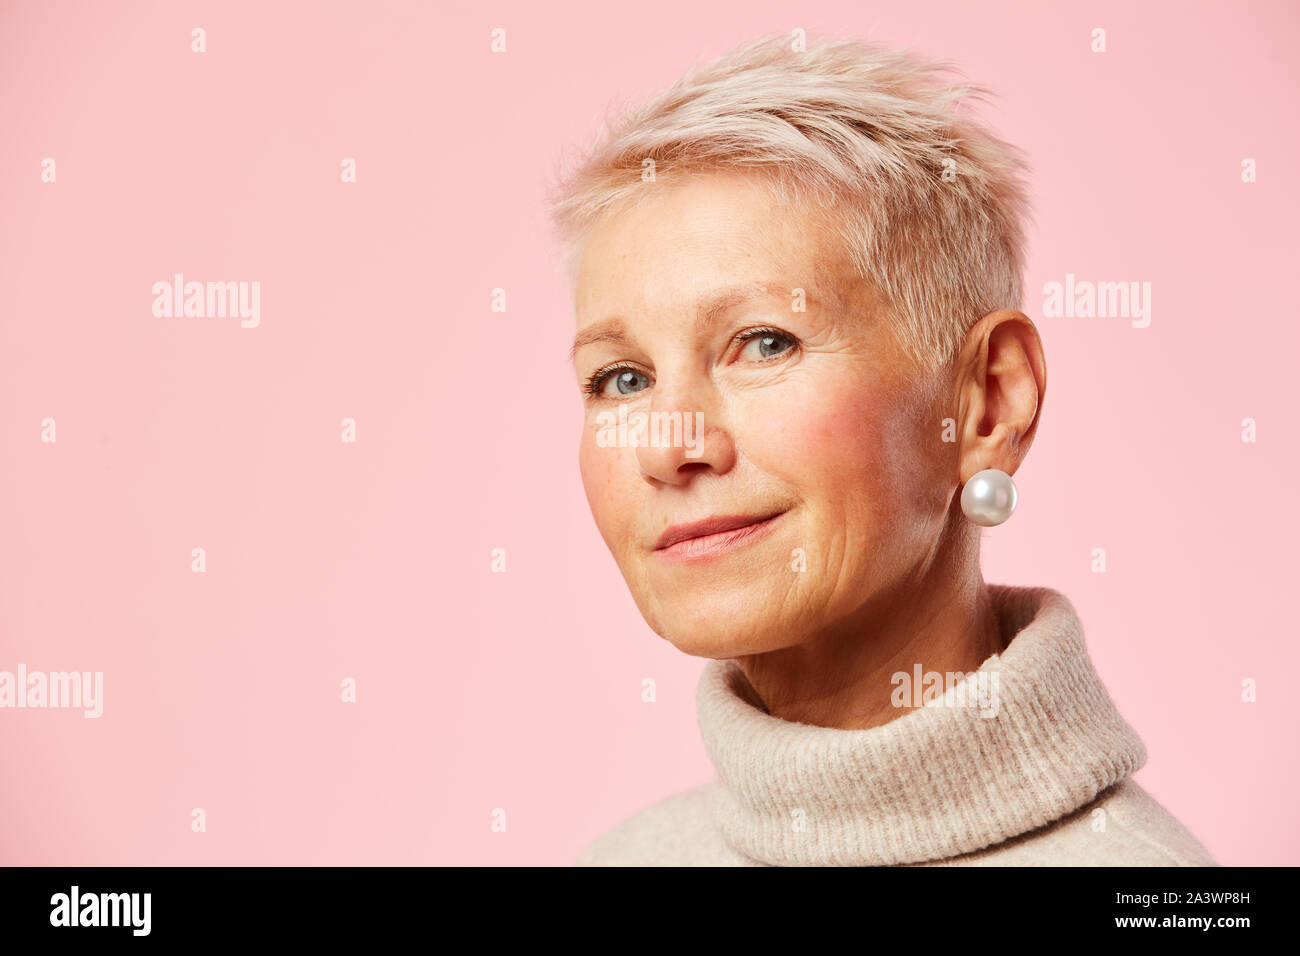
596	381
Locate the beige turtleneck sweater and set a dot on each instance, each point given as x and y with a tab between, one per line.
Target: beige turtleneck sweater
1042	782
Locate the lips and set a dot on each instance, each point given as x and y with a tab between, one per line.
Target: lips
716	525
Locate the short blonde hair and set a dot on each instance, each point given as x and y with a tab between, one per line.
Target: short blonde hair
929	204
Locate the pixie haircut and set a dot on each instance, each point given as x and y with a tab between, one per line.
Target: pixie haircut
928	203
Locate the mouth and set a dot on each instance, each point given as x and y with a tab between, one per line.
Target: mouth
713	536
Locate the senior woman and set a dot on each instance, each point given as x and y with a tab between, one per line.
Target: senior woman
816	255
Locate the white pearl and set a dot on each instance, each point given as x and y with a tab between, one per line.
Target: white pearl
989	497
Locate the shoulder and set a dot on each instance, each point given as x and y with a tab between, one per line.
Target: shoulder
1124	826
675	831
1144	819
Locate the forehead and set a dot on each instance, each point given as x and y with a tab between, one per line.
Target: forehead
681	240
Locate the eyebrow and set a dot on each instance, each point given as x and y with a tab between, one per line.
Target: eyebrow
612	329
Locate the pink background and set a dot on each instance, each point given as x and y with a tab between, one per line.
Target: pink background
371	560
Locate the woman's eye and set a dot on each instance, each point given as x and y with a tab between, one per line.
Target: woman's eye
626	381
766	345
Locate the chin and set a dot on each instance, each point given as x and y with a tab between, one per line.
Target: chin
719	631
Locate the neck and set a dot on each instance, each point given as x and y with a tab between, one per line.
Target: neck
941	620
940	782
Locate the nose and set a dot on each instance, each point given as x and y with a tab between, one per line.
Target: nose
683	436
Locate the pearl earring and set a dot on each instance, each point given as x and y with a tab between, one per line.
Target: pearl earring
989	497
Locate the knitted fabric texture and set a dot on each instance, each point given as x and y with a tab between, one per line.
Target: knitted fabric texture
941	784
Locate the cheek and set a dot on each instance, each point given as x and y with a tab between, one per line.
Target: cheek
851	451
600	481
857	459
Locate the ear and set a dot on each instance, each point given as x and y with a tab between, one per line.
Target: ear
1001	380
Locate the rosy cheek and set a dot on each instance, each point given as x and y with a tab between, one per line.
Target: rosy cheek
839	433
876	460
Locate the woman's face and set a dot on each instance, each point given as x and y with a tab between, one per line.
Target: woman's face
819	419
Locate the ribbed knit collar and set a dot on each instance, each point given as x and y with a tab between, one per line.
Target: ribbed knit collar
937	782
